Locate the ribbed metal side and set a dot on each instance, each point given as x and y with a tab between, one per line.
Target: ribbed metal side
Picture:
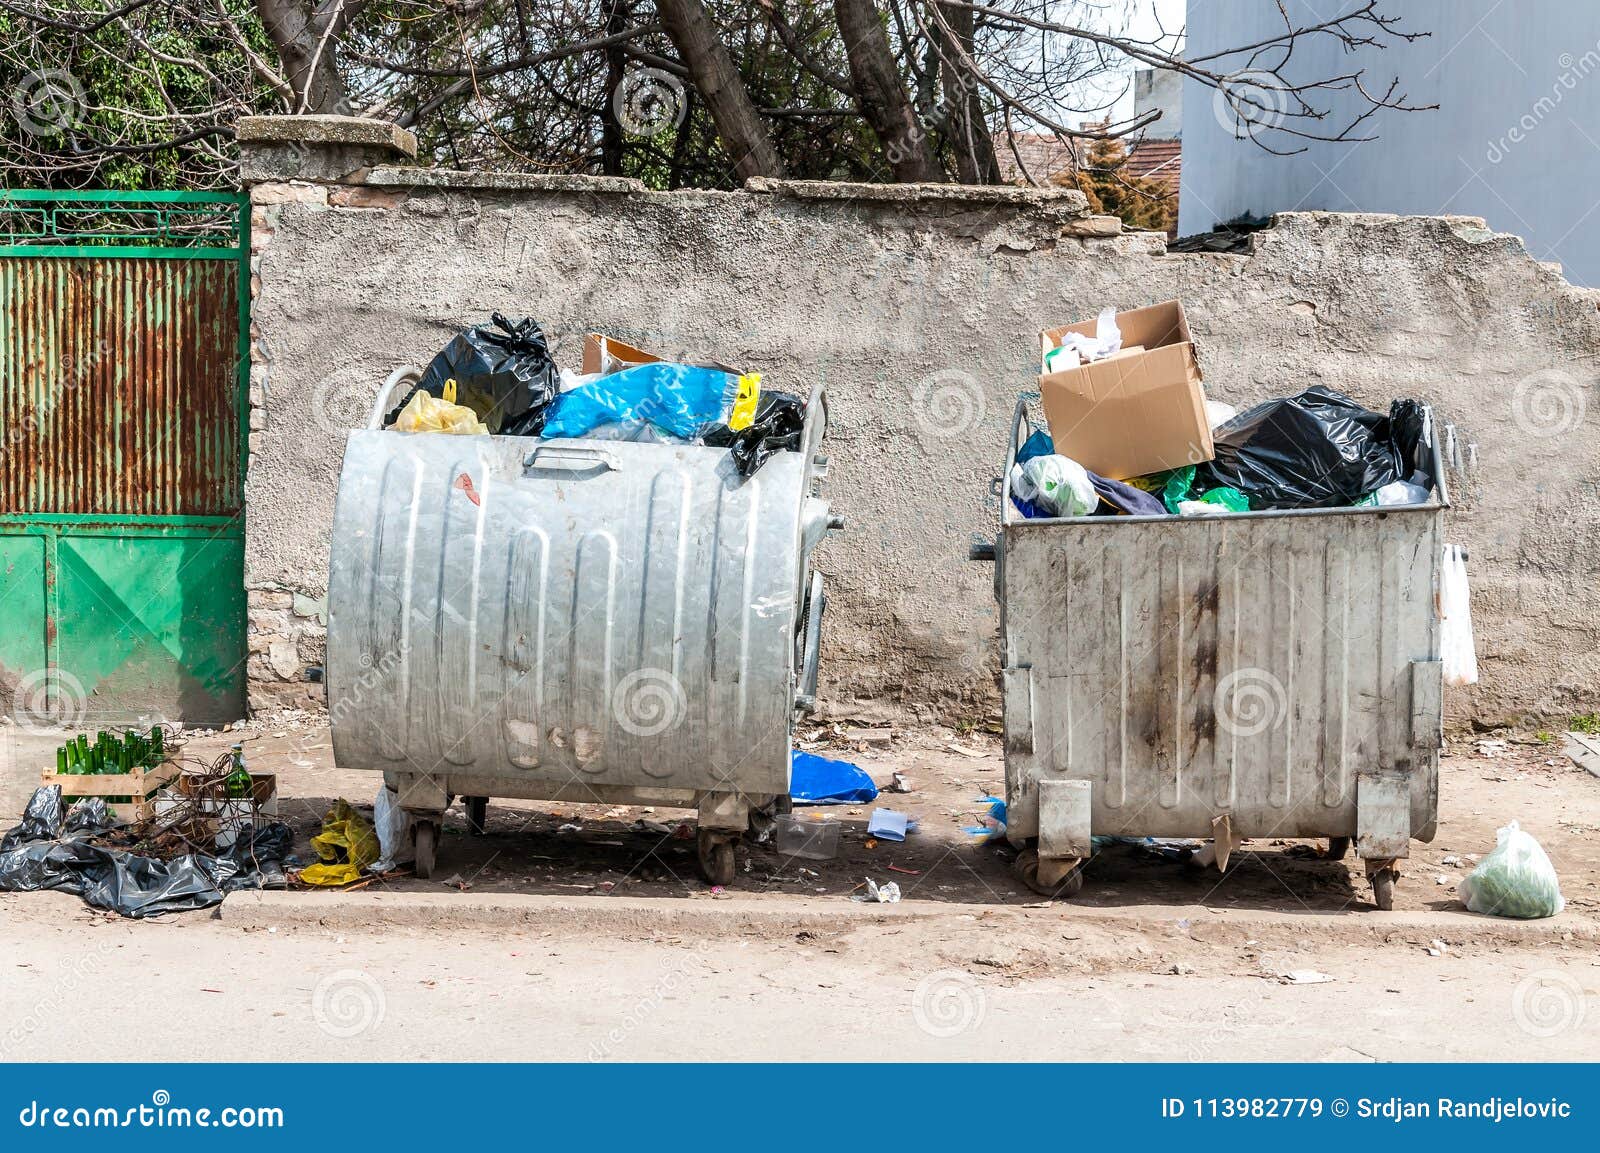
1253	666
622	614
119	386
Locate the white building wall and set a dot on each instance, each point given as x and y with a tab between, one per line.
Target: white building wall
1516	138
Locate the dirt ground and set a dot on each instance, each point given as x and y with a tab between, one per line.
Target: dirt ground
565	849
564	933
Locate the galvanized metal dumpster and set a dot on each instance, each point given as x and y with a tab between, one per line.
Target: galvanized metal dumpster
573	620
1268	674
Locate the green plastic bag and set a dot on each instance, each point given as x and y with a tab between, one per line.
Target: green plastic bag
1515	880
1229	498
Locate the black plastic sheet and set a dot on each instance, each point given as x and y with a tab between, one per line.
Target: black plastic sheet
1319	449
50	849
503	372
779	424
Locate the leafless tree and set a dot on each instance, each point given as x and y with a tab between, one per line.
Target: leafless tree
678	92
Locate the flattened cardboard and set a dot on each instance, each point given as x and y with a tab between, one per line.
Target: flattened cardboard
1140	411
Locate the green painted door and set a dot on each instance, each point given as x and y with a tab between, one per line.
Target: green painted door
123	362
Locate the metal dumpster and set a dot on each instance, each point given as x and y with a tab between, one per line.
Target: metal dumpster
573	620
1268	674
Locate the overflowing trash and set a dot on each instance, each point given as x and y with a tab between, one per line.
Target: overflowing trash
502	372
500	379
1319	449
138	872
1516	879
1129	432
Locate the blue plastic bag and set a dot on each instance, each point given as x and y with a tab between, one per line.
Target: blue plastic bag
817	780
676	398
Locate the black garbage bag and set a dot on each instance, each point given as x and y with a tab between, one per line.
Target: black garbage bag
778	426
42	820
46	852
89	815
1319	449
503	372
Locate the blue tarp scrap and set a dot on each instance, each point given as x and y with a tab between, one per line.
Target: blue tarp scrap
815	780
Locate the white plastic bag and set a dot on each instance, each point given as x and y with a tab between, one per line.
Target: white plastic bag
1075	347
392	825
1055	485
1515	880
1455	620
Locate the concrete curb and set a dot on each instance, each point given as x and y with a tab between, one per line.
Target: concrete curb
738	916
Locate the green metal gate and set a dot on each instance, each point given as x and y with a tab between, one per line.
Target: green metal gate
124	360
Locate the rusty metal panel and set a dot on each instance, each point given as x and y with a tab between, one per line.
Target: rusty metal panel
119	386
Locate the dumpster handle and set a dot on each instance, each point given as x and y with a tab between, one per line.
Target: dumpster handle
1019	421
565	457
407	374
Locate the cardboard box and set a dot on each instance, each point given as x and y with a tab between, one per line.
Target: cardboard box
603	353
1137	412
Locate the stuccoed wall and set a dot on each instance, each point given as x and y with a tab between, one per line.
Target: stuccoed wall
920	312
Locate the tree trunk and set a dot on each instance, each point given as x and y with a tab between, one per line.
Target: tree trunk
611	139
976	162
880	96
305	33
739	124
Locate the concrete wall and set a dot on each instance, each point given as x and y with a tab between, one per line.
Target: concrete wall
1513	139
920	314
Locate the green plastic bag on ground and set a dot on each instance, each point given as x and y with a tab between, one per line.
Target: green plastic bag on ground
1515	880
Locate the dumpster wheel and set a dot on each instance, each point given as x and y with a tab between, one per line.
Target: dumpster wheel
1026	869
427	845
715	853
1383	875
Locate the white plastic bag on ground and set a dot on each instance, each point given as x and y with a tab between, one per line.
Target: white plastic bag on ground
1515	880
1455	620
393	826
1056	485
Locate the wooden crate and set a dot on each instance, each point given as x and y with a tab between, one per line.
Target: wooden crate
140	784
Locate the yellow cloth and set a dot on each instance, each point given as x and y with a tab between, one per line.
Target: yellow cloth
347	844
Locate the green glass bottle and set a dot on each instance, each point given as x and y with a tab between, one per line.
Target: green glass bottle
61	761
237	782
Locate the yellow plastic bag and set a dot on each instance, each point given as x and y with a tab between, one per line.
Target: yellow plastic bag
347	844
425	412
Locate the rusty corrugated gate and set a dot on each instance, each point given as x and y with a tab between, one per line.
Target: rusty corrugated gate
123	353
